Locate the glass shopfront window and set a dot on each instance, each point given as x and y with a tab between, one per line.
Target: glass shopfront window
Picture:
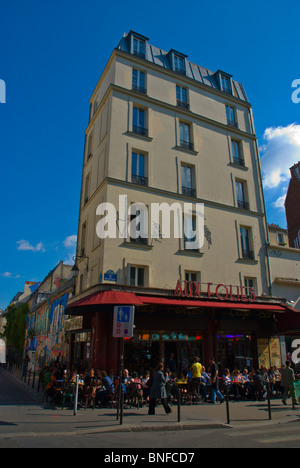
81	350
175	349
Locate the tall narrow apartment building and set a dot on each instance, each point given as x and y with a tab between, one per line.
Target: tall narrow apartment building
163	130
292	207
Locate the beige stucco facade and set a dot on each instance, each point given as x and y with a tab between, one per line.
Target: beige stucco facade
107	173
284	266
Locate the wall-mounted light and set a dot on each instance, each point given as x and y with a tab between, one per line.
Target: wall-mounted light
75	269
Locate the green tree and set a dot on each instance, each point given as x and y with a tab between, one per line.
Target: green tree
14	330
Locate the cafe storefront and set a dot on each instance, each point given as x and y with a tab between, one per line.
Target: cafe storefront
146	349
176	326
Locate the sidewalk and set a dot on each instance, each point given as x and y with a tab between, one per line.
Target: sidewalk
46	419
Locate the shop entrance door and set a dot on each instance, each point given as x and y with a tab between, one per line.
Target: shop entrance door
183	353
171	357
235	351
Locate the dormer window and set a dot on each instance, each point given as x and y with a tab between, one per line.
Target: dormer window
137	44
139	48
177	61
226	84
224	81
179	64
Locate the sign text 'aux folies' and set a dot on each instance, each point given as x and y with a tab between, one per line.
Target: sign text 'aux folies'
222	291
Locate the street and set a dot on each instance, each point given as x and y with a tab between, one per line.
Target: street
26	423
271	437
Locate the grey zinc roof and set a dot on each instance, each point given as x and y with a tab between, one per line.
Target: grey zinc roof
195	72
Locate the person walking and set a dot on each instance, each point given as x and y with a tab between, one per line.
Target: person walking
287	379
214	371
158	390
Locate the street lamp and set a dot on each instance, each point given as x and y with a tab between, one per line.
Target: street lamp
75	269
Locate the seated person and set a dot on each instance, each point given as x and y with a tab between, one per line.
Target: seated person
145	387
237	384
227	378
135	387
183	379
248	385
51	387
106	389
91	379
126	379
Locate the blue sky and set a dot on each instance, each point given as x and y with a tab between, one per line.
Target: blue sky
51	57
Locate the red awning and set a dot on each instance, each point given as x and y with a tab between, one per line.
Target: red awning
211	304
108	297
289	323
126	298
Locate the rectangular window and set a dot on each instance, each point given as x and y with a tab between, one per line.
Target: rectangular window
139	121
87	188
249	283
241	195
226	84
231	117
185	136
139	81
137	276
189	226
245	235
139	48
83	240
280	239
191	276
187	181
182	97
138	228
139	169
236	153
90	147
179	64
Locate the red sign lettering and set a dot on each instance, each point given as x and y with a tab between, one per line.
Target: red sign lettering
222	291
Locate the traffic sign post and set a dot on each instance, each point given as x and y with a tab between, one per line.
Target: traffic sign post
123	327
123	321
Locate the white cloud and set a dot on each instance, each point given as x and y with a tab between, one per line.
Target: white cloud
70	241
7	274
280	152
279	203
25	245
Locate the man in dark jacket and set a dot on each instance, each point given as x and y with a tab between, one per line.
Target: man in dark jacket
287	379
158	390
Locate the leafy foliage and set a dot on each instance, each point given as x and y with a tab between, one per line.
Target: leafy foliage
14	330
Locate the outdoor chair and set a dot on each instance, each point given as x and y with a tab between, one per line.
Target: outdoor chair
258	388
135	395
90	396
113	394
68	394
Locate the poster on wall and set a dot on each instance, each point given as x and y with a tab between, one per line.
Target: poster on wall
275	352
269	352
263	353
